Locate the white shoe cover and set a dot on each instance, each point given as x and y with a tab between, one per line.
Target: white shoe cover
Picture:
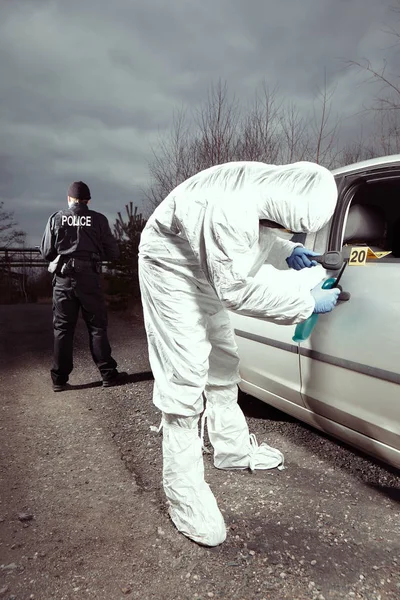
264	457
234	447
192	505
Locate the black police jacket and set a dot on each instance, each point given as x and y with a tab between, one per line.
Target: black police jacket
80	233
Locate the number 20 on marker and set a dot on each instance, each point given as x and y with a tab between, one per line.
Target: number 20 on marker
358	257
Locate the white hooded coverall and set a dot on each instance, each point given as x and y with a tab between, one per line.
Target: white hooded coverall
199	255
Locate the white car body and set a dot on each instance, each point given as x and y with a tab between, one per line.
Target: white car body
344	379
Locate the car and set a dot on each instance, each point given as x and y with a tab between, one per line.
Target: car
345	378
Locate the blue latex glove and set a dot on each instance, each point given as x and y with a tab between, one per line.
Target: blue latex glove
325	300
299	258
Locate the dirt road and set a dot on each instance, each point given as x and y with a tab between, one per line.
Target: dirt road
82	512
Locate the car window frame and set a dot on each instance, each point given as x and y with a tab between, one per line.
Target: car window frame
347	190
319	240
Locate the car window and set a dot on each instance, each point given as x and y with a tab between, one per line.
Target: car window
373	218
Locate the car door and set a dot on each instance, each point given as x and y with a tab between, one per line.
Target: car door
350	366
268	357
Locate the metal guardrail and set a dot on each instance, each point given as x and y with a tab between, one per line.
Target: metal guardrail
24	257
21	257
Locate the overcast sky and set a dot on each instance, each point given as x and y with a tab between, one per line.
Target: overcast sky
87	87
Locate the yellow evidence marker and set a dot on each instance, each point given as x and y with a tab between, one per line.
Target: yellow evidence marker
360	254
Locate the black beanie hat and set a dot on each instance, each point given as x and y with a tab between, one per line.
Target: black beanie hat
79	190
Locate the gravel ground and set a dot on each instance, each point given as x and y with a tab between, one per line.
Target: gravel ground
82	512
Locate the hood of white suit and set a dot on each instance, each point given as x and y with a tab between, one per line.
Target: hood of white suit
302	196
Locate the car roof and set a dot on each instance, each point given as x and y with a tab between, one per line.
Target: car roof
372	164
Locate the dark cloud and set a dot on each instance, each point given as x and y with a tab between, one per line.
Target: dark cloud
88	87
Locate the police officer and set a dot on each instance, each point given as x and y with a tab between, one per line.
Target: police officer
76	240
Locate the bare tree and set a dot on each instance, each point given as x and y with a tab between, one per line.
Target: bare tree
12	282
9	235
385	105
388	96
388	84
260	135
323	142
270	132
387	132
171	163
211	140
295	136
217	125
385	109
355	152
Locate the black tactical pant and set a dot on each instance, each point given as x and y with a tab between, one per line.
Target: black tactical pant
70	293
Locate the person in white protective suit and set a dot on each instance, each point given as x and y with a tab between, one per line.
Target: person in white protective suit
199	255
